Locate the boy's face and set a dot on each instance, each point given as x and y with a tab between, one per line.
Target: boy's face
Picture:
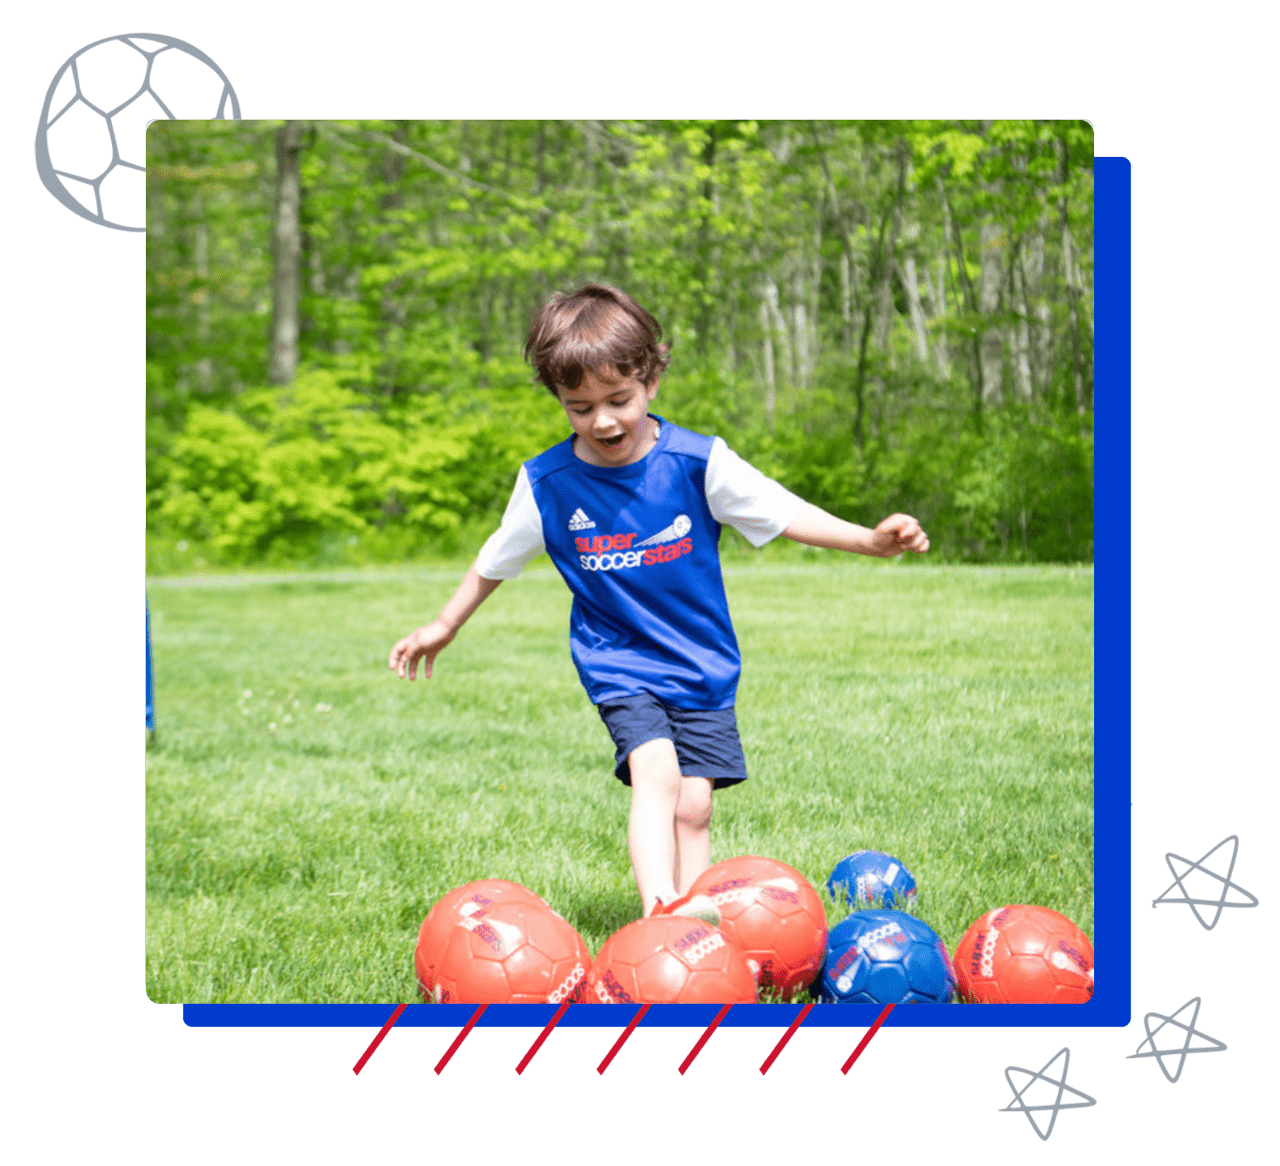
611	418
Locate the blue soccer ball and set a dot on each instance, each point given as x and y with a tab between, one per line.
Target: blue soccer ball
886	957
872	878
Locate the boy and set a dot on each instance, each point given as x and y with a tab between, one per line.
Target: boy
629	510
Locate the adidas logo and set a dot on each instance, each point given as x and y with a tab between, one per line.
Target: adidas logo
580	521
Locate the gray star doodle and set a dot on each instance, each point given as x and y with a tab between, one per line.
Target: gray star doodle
1019	1105
1227	884
1214	1046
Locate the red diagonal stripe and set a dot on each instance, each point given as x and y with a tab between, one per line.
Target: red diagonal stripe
782	1044
622	1040
866	1040
546	1032
457	1040
377	1040
706	1036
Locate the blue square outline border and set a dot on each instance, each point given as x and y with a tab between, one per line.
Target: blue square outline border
1111	1004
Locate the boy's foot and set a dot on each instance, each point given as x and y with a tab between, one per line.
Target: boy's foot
692	907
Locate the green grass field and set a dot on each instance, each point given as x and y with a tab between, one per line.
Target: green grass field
305	808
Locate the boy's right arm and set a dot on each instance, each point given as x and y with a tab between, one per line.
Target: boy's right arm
426	643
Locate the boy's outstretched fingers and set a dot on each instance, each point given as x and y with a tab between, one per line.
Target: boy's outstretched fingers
422	644
403	655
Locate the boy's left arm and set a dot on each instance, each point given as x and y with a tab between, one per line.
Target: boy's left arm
892	536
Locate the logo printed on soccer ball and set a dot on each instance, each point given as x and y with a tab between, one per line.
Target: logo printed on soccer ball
486	934
612	992
697	944
846	961
55	179
497	934
780	890
570	982
703	948
1066	953
985	957
865	942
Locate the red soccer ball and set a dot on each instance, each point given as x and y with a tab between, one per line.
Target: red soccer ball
772	914
667	959
513	952
1024	955
453	906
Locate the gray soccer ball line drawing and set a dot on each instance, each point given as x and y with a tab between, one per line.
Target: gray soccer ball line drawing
55	179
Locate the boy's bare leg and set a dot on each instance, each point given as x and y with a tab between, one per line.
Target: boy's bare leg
693	830
655	793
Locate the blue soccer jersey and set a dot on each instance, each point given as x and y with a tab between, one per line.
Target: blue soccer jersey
638	546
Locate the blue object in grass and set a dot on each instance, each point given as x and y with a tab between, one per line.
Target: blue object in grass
872	878
886	957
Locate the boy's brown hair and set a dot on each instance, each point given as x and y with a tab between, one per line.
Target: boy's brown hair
597	329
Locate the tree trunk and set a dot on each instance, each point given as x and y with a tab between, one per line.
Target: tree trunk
1031	268
204	366
766	353
392	310
991	283
778	326
1077	354
704	260
846	298
286	280
911	283
874	277
970	299
846	258
939	297
1022	332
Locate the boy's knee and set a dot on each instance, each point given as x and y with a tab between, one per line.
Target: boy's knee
653	767
694	809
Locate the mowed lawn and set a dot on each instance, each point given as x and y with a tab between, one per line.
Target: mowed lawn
305	807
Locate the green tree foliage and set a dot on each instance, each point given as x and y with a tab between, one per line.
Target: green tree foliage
885	316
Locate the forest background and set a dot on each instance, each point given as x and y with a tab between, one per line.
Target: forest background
887	316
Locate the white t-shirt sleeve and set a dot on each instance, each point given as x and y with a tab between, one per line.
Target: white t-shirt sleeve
758	508
518	540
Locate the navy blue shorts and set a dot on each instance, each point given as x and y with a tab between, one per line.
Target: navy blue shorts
706	742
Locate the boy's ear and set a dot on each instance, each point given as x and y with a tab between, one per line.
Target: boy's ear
652	387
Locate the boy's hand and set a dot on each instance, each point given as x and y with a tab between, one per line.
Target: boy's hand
899	533
424	644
